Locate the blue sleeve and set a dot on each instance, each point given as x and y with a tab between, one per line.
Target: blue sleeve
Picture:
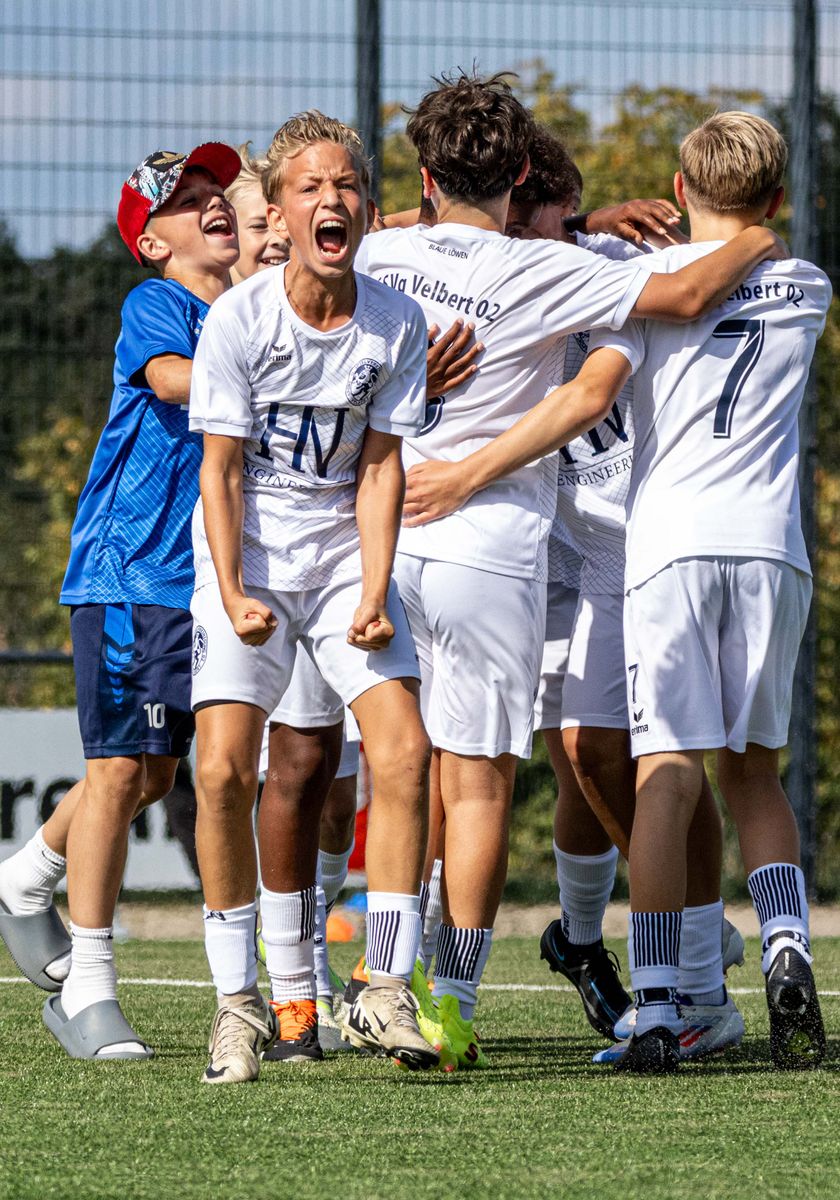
154	321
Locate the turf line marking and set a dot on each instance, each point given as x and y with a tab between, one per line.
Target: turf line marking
485	987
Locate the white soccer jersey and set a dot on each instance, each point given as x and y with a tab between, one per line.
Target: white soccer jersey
594	469
302	400
522	296
716	407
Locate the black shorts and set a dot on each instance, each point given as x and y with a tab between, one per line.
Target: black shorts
133	679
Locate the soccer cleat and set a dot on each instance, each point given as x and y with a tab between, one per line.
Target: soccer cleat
655	1052
797	1037
709	1028
594	971
732	947
384	1020
463	1039
356	983
429	1020
329	1028
297	1033
243	1027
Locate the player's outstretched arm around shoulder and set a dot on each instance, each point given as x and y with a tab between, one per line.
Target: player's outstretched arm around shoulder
436	489
221	498
380	483
702	285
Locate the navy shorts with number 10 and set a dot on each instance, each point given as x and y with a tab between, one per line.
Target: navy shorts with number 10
133	679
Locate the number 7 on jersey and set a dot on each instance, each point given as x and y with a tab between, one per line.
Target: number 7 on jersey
753	333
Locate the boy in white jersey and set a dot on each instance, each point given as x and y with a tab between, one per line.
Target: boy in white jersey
717	579
474	583
306	383
718	588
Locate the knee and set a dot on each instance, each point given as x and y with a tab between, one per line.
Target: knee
160	776
405	761
115	782
224	787
590	752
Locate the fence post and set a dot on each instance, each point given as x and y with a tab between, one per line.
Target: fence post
804	182
368	81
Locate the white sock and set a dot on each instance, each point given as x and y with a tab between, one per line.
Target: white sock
586	883
778	894
288	931
461	958
230	939
393	934
653	945
701	957
322	956
93	975
29	877
332	872
431	917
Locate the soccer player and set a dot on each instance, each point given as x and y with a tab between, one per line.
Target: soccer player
129	578
259	245
473	584
305	381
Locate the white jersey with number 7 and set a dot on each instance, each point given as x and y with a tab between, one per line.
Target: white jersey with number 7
716	412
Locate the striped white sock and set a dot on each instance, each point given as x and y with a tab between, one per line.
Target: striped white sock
778	893
460	961
653	949
288	931
393	934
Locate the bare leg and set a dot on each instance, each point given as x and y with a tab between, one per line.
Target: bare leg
397	751
301	767
705	851
668	791
577	830
476	799
338	819
754	795
607	777
229	738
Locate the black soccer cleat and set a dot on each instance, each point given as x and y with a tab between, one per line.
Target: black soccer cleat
594	971
797	1036
655	1052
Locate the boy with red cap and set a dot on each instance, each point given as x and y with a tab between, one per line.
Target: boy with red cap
130	575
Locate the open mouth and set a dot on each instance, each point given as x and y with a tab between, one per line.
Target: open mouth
219	226
331	238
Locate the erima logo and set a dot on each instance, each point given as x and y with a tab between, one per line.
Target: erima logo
215	915
638	729
637	716
279	356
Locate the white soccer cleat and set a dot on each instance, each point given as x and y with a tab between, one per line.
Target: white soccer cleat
242	1028
384	1020
710	1029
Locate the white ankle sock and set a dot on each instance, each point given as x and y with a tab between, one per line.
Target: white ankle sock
431	917
461	958
586	883
288	932
701	957
29	878
332	872
393	934
230	939
93	975
778	894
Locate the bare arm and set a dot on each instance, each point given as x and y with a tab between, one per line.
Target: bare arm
221	497
169	375
700	286
435	489
380	483
638	221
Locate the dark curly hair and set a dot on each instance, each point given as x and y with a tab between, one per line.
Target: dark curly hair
472	135
553	177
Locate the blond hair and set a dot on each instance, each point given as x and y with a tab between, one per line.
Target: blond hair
250	175
303	130
733	161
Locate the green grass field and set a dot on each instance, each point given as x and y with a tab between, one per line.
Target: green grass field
543	1122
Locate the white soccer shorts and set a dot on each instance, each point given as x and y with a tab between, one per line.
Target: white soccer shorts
225	669
561	603
595	694
479	639
710	650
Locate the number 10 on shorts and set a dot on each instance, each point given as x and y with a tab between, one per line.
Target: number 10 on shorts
155	715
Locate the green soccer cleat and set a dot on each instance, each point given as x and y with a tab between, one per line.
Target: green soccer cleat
461	1035
429	1021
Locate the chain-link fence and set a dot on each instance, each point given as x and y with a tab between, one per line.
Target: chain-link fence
88	89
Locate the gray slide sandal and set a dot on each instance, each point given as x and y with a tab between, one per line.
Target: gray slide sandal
93	1029
34	942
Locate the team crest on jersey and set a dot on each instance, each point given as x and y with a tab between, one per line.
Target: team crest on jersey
199	649
362	381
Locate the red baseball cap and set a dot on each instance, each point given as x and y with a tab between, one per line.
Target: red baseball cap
154	181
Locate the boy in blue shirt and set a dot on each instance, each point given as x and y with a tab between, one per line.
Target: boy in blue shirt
130	575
